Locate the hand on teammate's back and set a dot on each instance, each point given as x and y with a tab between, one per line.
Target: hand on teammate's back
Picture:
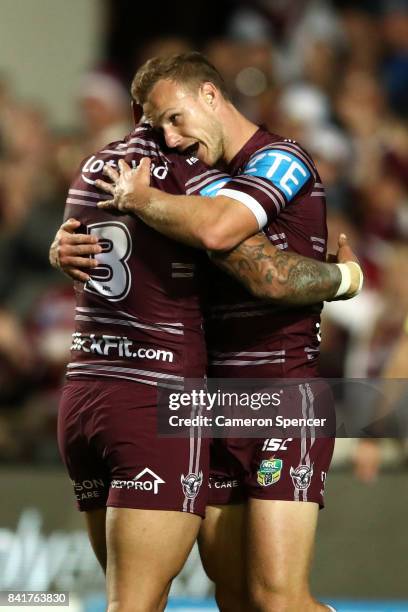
128	187
72	253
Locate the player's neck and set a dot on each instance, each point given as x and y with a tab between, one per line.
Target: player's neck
237	131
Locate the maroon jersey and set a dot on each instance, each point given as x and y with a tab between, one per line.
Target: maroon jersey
278	181
139	316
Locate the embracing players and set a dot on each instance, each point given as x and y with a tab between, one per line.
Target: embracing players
275	186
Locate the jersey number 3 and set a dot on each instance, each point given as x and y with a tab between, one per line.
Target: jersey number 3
111	279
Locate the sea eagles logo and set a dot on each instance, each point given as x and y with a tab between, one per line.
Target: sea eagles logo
302	476
191	484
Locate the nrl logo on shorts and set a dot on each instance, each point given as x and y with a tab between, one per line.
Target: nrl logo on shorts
302	476
269	471
191	484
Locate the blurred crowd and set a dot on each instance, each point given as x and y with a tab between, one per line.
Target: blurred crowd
332	75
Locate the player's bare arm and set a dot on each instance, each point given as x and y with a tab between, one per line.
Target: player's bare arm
265	271
216	224
272	274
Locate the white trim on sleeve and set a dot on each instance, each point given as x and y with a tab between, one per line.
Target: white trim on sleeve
249	202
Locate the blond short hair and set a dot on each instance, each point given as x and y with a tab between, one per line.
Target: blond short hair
190	69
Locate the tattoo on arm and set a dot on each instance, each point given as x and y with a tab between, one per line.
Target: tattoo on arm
279	276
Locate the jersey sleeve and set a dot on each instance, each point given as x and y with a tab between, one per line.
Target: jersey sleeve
204	181
272	178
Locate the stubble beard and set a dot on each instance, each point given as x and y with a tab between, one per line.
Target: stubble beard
217	153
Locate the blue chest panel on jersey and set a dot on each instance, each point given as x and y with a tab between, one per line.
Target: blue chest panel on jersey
212	189
283	169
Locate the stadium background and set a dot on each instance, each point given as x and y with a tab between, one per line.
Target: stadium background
333	75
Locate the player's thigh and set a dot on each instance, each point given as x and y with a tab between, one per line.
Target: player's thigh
221	533
156	500
146	549
96	527
221	542
279	544
148	471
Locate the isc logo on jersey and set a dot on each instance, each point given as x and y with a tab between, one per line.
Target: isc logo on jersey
94	166
274	444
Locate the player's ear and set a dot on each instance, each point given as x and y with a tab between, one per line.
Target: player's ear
209	93
137	111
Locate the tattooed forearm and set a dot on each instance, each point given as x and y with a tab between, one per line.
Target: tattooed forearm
281	276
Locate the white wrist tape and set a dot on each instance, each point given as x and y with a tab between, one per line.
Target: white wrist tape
360	284
345	280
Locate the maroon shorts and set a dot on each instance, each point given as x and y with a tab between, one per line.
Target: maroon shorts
107	436
292	468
